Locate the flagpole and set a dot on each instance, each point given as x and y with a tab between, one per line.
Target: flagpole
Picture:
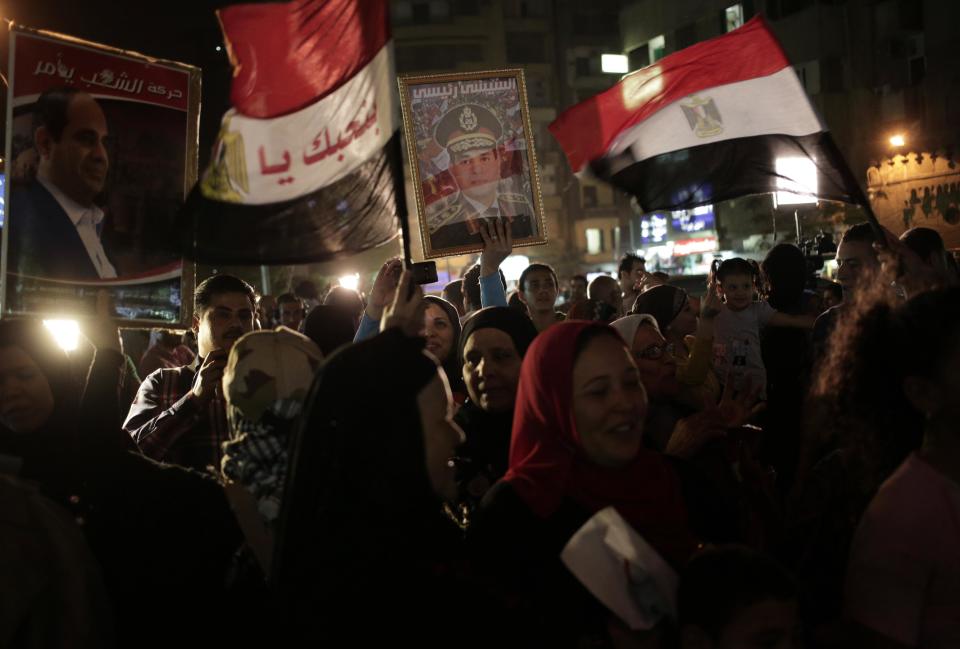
401	188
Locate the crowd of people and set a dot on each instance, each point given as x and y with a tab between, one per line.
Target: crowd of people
633	467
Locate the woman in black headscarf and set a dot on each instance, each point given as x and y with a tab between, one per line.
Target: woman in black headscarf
492	345
363	544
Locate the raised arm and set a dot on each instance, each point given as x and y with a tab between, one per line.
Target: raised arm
384	287
780	319
156	426
700	362
497	246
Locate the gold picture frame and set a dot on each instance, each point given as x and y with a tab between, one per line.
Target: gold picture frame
471	153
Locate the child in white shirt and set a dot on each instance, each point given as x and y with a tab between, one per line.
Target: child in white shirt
736	329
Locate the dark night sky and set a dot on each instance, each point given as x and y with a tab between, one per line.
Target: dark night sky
175	29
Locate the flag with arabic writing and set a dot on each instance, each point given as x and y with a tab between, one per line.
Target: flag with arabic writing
307	166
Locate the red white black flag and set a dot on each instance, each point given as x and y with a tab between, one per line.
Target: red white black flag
307	163
706	124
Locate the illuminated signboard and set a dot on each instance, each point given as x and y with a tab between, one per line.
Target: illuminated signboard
653	228
696	220
695	246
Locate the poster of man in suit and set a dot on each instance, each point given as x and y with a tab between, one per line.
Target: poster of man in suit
472	158
102	147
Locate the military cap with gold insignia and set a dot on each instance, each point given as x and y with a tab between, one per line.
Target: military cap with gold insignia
468	127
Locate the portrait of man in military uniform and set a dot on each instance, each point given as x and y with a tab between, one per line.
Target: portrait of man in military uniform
471	135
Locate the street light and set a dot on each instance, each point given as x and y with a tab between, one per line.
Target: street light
897	140
350	281
65	332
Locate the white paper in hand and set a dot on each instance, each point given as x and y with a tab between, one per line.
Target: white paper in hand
622	570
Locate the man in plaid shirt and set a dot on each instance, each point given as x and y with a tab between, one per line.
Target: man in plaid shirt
179	414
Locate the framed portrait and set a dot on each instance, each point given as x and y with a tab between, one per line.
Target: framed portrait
101	150
471	154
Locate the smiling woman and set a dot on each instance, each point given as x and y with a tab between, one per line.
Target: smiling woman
492	347
576	449
441	329
609	401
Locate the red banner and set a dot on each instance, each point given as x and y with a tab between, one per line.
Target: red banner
42	62
94	213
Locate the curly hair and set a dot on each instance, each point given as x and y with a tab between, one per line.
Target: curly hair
857	396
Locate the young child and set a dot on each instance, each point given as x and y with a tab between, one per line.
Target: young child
736	329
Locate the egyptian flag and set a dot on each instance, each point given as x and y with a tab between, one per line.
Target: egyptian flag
307	164
721	119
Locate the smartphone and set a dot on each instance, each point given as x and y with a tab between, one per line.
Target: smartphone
424	272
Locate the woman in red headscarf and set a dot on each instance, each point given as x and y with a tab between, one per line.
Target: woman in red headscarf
576	449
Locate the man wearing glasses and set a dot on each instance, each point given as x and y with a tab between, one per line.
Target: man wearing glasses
179	414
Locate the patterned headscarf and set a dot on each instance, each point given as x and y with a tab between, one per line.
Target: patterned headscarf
265	383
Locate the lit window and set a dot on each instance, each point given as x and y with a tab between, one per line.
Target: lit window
658	47
594	241
796	181
615	63
733	17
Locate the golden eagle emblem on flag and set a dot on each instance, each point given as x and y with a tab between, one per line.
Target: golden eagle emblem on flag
226	178
702	115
